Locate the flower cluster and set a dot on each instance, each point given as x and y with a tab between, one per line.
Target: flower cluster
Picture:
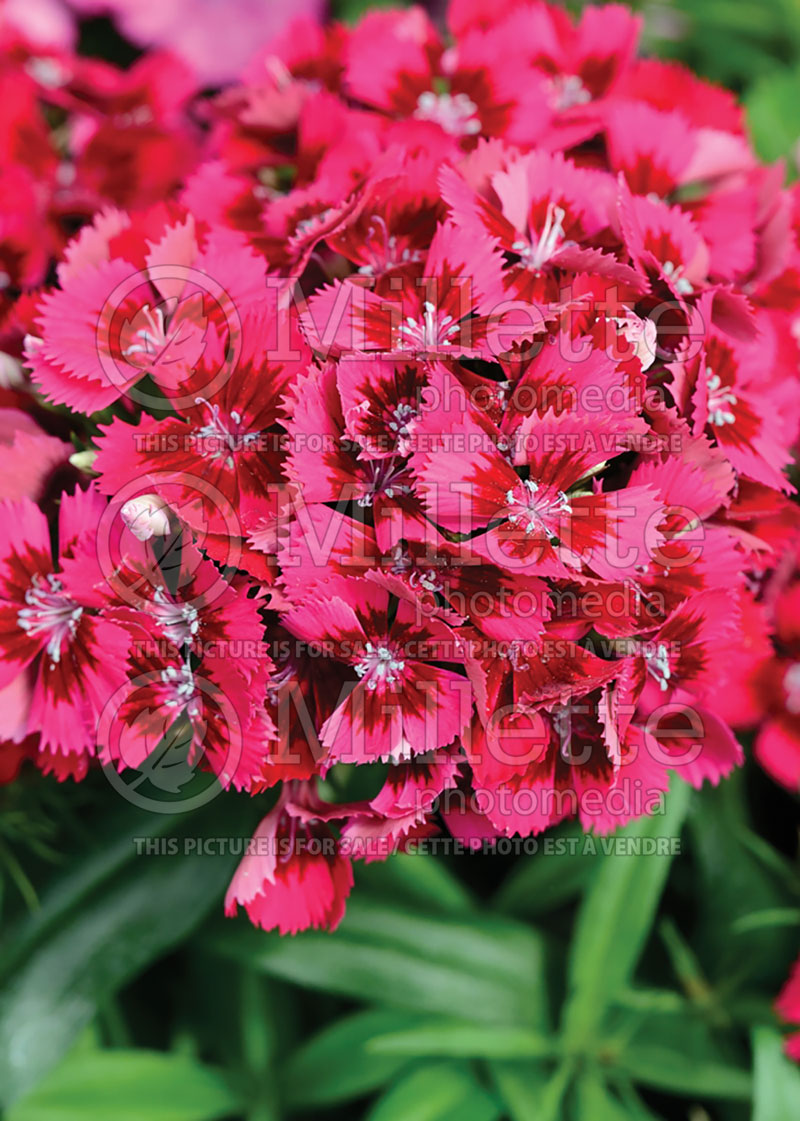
80	135
438	397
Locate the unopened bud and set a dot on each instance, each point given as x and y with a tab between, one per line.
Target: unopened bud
84	461
146	516
11	374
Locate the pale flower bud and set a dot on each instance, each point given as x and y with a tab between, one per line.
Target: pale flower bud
146	516
84	461
11	374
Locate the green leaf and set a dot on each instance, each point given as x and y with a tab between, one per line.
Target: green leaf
680	1071
773	112
777	1080
115	841
678	1052
557	874
337	1064
259	1032
775	863
686	965
454	1039
551	1102
595	1101
520	1086
616	917
118	930
479	969
771	917
635	1107
128	1086
734	877
439	1092
421	880
651	1000
353	10
480	1107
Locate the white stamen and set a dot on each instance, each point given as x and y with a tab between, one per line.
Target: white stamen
384	476
566	91
720	400
51	610
181	681
379	665
657	664
154	336
222	442
791	683
455	113
679	281
516	657
426	579
534	514
536	255
431	334
383	250
178	621
402	414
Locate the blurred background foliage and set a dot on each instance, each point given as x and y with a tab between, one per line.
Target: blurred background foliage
578	983
751	46
575	985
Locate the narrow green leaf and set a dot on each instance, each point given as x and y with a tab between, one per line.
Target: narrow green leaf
118	930
736	874
777	1080
114	848
773	113
454	1039
439	1092
779	868
555	875
259	1030
551	1102
128	1086
677	1051
421	880
616	918
771	917
337	1064
478	1107
479	968
684	961
679	1071
651	1000
595	1101
637	1110
520	1086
